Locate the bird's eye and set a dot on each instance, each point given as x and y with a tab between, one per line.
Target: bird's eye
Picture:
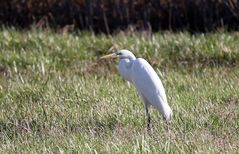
119	53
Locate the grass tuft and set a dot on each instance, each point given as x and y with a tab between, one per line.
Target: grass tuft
55	96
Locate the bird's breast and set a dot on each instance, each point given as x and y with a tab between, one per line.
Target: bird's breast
124	69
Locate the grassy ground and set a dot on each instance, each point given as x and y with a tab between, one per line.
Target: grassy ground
55	96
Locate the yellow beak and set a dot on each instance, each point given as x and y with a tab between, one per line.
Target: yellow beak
112	55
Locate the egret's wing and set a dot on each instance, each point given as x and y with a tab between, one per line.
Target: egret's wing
148	83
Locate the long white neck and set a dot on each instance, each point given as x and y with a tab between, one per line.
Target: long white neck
124	68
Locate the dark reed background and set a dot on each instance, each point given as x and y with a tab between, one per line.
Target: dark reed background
113	15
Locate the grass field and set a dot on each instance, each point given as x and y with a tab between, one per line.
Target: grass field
55	96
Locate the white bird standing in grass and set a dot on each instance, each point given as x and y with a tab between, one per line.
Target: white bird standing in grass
140	73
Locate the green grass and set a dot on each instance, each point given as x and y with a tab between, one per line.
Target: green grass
55	96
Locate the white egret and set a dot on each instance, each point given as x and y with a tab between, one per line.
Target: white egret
149	86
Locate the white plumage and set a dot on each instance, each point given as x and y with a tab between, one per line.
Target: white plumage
149	86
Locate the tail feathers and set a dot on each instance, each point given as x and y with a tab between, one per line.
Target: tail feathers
168	116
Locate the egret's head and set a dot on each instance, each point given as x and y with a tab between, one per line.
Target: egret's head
121	54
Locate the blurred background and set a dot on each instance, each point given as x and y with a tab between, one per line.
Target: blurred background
111	16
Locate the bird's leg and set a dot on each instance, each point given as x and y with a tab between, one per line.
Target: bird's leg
148	122
148	117
146	106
